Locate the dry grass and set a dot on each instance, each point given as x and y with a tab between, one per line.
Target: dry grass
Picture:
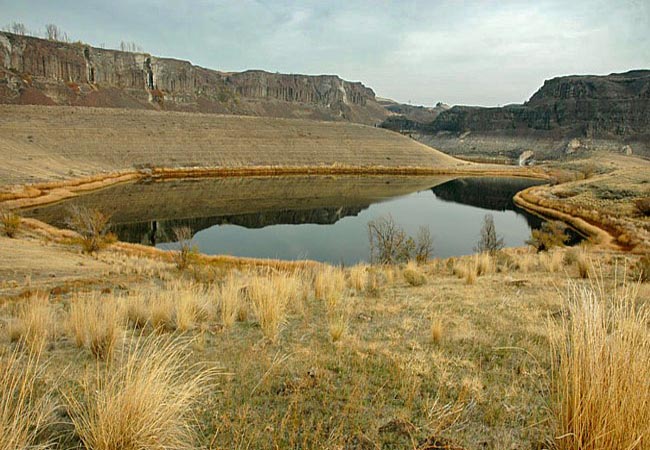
329	285
602	367
142	402
470	273
413	275
552	260
10	222
337	322
95	323
483	264
270	297
436	330
36	324
358	277
230	301
24	411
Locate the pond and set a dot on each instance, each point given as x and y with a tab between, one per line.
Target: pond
306	217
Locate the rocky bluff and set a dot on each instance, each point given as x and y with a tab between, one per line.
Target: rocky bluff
566	114
39	71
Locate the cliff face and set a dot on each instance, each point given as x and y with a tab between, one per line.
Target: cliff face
589	109
612	106
38	71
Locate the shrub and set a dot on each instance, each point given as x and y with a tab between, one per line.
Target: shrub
489	241
143	401
600	371
92	226
186	252
389	243
551	234
423	245
10	222
414	276
643	206
23	413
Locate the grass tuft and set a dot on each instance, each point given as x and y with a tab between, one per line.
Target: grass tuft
601	356
413	275
143	401
24	413
95	323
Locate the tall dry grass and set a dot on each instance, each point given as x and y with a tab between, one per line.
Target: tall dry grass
358	277
413	275
329	285
230	301
143	401
24	413
601	370
270	296
36	324
95	323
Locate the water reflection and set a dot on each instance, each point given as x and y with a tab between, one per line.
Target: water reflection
317	217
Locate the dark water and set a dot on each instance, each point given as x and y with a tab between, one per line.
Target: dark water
314	217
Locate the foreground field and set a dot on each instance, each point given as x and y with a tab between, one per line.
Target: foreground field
454	352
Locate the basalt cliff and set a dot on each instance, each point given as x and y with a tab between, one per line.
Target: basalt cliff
566	115
43	72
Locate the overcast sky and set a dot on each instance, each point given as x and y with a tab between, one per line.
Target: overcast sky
458	52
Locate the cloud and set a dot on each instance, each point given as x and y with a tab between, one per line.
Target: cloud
471	52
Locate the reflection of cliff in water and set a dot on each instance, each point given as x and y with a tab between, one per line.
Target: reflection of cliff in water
495	194
148	211
160	231
488	193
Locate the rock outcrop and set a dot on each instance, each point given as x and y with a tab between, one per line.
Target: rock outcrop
567	114
39	71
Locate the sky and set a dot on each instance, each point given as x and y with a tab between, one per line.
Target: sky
479	52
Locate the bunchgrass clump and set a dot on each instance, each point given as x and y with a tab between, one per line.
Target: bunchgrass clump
601	368
142	401
10	222
95	324
36	324
413	275
24	411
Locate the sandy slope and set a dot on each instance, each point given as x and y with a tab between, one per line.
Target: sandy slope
43	143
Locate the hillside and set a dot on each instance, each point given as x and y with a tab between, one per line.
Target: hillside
44	143
43	72
566	115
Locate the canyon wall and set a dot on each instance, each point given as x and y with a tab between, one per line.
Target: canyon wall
39	71
566	115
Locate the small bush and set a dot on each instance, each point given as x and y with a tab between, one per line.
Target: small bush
551	234
389	243
92	226
489	241
643	206
10	222
414	276
423	245
186	253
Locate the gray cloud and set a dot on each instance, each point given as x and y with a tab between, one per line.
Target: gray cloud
459	52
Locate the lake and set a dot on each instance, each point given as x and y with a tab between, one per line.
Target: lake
306	217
